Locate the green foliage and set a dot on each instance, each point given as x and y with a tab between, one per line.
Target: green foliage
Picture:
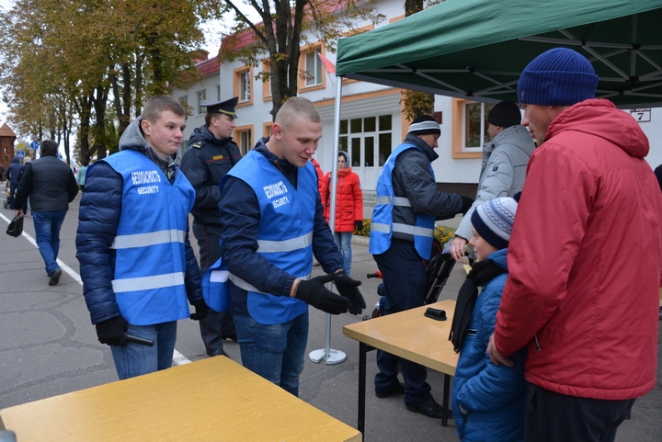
284	29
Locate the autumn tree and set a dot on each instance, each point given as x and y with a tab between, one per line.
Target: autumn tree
284	28
95	56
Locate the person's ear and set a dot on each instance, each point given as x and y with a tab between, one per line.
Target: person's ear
277	131
145	126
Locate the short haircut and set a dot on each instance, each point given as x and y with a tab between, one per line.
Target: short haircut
155	106
297	107
48	147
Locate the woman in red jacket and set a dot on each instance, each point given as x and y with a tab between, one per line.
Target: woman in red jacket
349	207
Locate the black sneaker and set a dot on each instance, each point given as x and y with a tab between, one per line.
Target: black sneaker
429	408
55	277
392	390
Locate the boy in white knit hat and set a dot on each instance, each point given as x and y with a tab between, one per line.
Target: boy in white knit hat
488	400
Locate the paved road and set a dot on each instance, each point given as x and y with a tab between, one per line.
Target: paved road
48	347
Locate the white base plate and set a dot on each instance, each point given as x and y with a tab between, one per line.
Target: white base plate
335	356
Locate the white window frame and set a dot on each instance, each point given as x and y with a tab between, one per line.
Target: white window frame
245	86
314	73
202	98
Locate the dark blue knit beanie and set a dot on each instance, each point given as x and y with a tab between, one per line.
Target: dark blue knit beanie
558	77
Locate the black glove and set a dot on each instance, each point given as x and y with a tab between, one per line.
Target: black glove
314	293
347	287
201	310
112	331
466	204
358	226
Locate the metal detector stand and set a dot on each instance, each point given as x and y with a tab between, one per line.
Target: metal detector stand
328	354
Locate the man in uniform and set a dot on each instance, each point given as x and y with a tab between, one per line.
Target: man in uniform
210	156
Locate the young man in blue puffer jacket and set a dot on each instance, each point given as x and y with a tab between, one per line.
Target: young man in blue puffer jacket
488	401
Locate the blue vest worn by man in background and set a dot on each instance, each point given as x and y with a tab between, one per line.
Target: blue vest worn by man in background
401	236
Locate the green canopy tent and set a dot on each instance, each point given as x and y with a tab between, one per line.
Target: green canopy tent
476	49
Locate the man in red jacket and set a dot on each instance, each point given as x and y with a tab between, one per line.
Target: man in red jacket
585	258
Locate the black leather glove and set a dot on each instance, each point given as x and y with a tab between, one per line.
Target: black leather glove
358	226
112	331
314	293
466	204
347	287
201	310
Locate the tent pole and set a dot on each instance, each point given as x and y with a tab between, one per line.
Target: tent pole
330	355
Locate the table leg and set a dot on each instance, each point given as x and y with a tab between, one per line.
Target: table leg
445	400
363	350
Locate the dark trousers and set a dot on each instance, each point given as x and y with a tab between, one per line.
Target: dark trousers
12	194
555	417
404	282
216	326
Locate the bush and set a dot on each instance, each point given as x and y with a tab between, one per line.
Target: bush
442	233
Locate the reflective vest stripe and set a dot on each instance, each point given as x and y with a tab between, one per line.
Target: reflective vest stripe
148	239
148	282
288	245
249	288
396	201
380	227
412	230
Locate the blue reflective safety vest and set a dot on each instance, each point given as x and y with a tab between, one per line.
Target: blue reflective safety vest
150	262
382	225
285	232
214	286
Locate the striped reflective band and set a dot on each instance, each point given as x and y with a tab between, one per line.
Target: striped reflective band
288	245
401	228
249	288
148	282
147	239
380	227
412	230
395	200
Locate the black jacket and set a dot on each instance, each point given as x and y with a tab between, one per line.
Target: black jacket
49	183
413	179
206	161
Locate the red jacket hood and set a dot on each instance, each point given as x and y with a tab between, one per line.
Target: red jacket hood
601	118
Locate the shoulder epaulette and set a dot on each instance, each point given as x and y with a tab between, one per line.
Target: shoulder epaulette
197	145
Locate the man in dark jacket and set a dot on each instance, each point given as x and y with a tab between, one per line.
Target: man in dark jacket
273	225
12	177
136	262
210	156
401	234
51	186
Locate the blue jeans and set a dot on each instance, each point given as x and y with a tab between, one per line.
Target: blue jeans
274	352
404	284
344	242
47	229
136	359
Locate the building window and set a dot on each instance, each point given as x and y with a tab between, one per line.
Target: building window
244	86
475	125
243	136
218	93
311	68
266	81
202	99
243	81
469	132
368	141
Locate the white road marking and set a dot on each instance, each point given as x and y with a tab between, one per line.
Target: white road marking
177	358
